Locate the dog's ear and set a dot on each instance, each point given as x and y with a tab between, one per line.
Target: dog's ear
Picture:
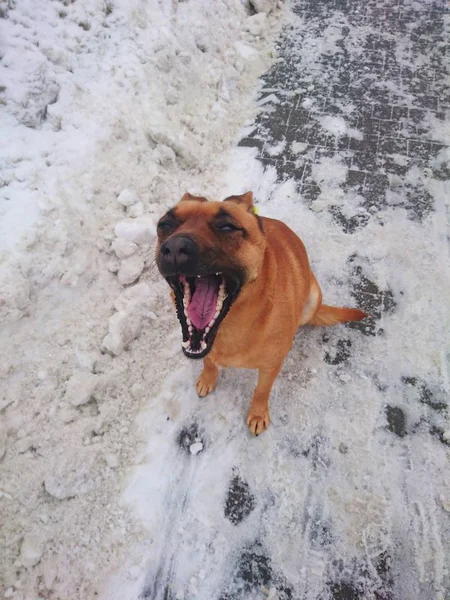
187	197
244	200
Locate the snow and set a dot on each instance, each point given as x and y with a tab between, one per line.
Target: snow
130	269
123	248
127	197
3	440
195	448
138	231
81	387
256	24
264	6
337	126
124	327
113	473
110	111
31	550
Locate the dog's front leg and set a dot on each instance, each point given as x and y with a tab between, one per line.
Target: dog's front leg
207	380
258	418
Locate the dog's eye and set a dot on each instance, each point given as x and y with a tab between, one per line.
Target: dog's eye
225	227
165	226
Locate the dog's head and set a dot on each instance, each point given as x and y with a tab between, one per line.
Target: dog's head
207	252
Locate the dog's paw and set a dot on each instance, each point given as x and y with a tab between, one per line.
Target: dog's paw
205	385
257	423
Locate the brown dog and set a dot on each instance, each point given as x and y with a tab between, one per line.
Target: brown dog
221	260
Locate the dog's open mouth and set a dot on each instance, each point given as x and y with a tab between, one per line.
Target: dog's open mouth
202	303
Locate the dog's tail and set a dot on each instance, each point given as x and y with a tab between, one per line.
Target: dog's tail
330	315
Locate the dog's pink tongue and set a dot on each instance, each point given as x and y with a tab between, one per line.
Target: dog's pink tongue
202	306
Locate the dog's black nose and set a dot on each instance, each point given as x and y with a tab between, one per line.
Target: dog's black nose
177	252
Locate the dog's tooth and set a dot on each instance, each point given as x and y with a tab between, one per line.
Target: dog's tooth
211	323
207	330
219	304
188	321
190	328
198	276
217	314
203	345
186	344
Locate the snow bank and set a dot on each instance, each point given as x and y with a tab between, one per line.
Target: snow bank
111	110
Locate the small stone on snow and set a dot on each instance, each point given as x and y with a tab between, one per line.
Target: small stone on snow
127	197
